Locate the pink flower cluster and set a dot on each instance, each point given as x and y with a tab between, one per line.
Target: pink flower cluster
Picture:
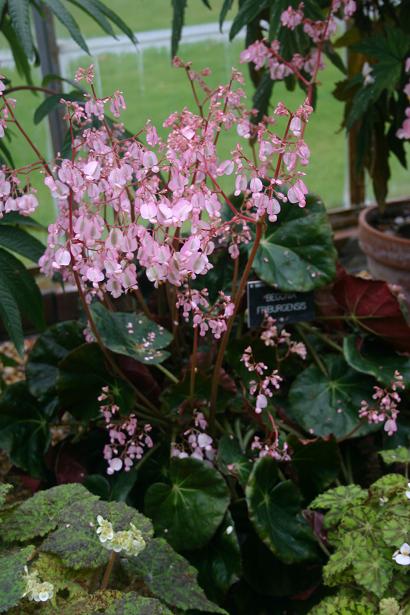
195	441
265	385
385	410
205	316
272	336
404	131
14	197
271	448
128	441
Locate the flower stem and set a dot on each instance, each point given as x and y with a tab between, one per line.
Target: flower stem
108	570
193	363
167	373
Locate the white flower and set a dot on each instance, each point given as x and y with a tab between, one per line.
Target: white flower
368	78
104	529
35	589
402	556
408	491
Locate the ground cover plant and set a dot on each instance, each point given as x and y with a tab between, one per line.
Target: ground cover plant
169	408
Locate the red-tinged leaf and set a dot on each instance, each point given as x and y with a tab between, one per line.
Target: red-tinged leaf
374	308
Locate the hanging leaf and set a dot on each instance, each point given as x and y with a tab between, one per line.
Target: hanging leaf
376	359
297	253
52	102
38	515
372	306
116	19
50	348
18	240
24	429
12	583
68	21
328	403
190	506
169	577
133	335
96	14
227	5
248	11
178	17
10	315
19	11
275	511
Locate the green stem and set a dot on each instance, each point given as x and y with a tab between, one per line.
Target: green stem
312	351
167	373
324	338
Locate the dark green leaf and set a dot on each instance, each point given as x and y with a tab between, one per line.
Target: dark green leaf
19	56
178	17
59	10
38	515
115	19
275	511
298	252
50	349
133	335
170	577
76	542
227	5
10	315
190	506
52	102
248	11
262	96
12	583
325	404
98	485
22	285
317	464
376	359
232	460
80	396
24	429
95	13
133	604
7	157
19	11
18	240
15	219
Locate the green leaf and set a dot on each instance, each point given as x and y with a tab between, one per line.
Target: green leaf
261	97
219	562
317	464
115	19
376	359
190	506
4	489
53	101
19	11
96	14
75	540
72	582
24	429
325	404
133	335
248	11
232	461
22	285
396	455
18	240
298	252
339	501
374	574
178	16
80	397
275	511
395	530
170	577
12	583
133	604
59	10
15	219
38	515
20	59
227	5
50	349
10	315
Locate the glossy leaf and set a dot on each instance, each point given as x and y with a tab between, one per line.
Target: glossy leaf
297	253
317	463
248	11
275	511
133	335
325	404
10	315
12	583
190	506
170	578
18	240
376	359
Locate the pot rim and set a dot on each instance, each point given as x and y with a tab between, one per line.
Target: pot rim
370	229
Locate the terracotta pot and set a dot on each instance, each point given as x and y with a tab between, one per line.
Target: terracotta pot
388	256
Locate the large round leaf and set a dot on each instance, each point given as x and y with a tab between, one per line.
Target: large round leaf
189	508
325	404
297	253
51	348
275	511
376	359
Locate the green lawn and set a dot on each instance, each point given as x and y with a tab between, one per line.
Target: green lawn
153	90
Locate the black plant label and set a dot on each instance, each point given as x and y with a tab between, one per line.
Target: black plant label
264	300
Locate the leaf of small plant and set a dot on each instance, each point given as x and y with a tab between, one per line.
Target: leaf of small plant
389	486
374	574
400	454
188	509
396	530
325	404
133	335
51	568
132	604
275	511
4	489
344	605
75	540
232	461
339	501
12	584
298	253
38	515
170	577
